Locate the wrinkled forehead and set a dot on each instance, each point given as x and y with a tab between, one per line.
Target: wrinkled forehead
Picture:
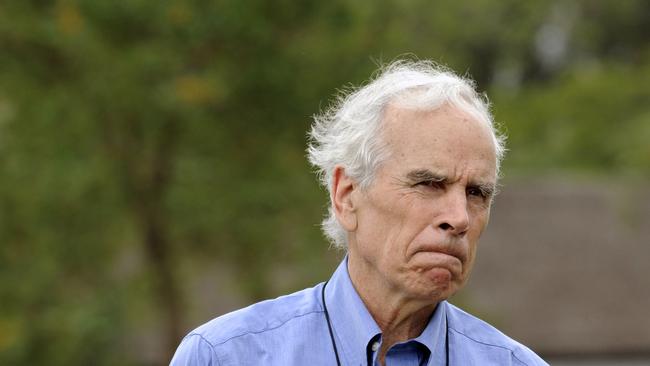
404	113
445	136
431	99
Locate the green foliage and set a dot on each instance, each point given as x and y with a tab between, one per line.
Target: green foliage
139	135
590	119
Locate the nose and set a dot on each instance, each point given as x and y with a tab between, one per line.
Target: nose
454	215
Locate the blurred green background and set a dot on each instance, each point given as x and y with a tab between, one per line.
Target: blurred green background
152	169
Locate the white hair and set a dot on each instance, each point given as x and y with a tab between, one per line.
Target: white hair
348	132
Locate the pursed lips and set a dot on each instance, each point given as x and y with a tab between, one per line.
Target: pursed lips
455	250
438	267
452	257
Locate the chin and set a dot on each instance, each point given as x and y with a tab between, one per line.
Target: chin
434	285
435	293
443	293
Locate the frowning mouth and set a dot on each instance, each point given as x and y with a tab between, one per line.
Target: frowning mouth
456	253
426	260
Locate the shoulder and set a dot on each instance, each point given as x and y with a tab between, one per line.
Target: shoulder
260	317
249	325
483	335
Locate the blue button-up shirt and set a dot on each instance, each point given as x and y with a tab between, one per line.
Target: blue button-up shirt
293	330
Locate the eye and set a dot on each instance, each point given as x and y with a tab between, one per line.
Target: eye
476	192
430	183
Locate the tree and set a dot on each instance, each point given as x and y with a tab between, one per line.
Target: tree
137	136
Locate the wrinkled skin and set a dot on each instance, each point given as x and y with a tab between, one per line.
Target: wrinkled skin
414	231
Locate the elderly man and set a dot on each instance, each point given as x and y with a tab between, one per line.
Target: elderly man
411	162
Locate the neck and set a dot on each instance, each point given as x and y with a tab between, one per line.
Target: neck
399	317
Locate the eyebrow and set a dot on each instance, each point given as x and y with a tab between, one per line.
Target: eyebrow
487	190
425	175
420	175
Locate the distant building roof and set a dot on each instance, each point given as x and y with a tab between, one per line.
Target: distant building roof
565	267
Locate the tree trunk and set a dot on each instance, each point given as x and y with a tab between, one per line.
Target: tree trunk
146	181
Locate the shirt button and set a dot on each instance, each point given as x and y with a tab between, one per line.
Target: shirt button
375	346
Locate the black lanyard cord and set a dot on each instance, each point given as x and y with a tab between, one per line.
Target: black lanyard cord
447	339
329	326
336	351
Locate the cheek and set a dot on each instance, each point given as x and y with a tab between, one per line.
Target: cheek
479	221
389	211
471	257
479	225
410	222
388	222
374	232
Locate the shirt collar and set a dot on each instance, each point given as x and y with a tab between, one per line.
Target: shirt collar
354	327
352	324
434	334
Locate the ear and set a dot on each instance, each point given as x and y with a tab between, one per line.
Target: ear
342	199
